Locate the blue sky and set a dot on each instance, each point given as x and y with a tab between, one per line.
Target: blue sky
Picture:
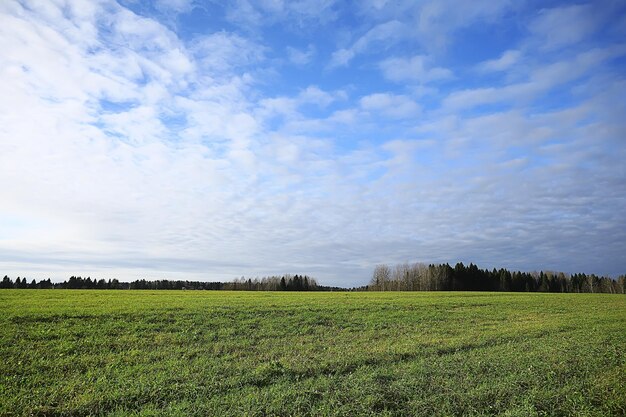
209	140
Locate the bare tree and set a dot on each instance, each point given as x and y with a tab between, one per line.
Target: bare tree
381	277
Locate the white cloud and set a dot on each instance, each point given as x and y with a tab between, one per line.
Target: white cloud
437	20
413	69
504	62
177	6
429	23
349	116
389	105
290	107
473	97
109	174
222	52
341	57
433	22
138	125
563	26
301	57
298	13
381	35
313	94
539	80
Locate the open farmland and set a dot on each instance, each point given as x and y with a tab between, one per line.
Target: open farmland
73	352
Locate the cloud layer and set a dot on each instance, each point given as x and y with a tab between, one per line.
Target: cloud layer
149	141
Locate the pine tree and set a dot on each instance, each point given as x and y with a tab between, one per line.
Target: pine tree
6	282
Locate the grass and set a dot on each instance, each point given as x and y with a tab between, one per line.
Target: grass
150	353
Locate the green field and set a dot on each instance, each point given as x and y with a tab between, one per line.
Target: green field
72	352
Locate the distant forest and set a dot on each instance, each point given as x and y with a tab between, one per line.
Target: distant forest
402	277
273	283
443	277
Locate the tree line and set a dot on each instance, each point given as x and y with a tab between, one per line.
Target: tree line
272	283
443	277
402	277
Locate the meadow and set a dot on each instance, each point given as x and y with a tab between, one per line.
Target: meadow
221	353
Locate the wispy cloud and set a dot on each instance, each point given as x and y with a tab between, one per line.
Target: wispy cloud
389	105
379	36
413	69
503	63
562	26
301	57
252	13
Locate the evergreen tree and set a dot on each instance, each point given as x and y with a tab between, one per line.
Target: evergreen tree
6	282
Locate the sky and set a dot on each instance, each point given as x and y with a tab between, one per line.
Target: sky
210	140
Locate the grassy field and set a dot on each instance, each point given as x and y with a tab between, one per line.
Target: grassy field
121	353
